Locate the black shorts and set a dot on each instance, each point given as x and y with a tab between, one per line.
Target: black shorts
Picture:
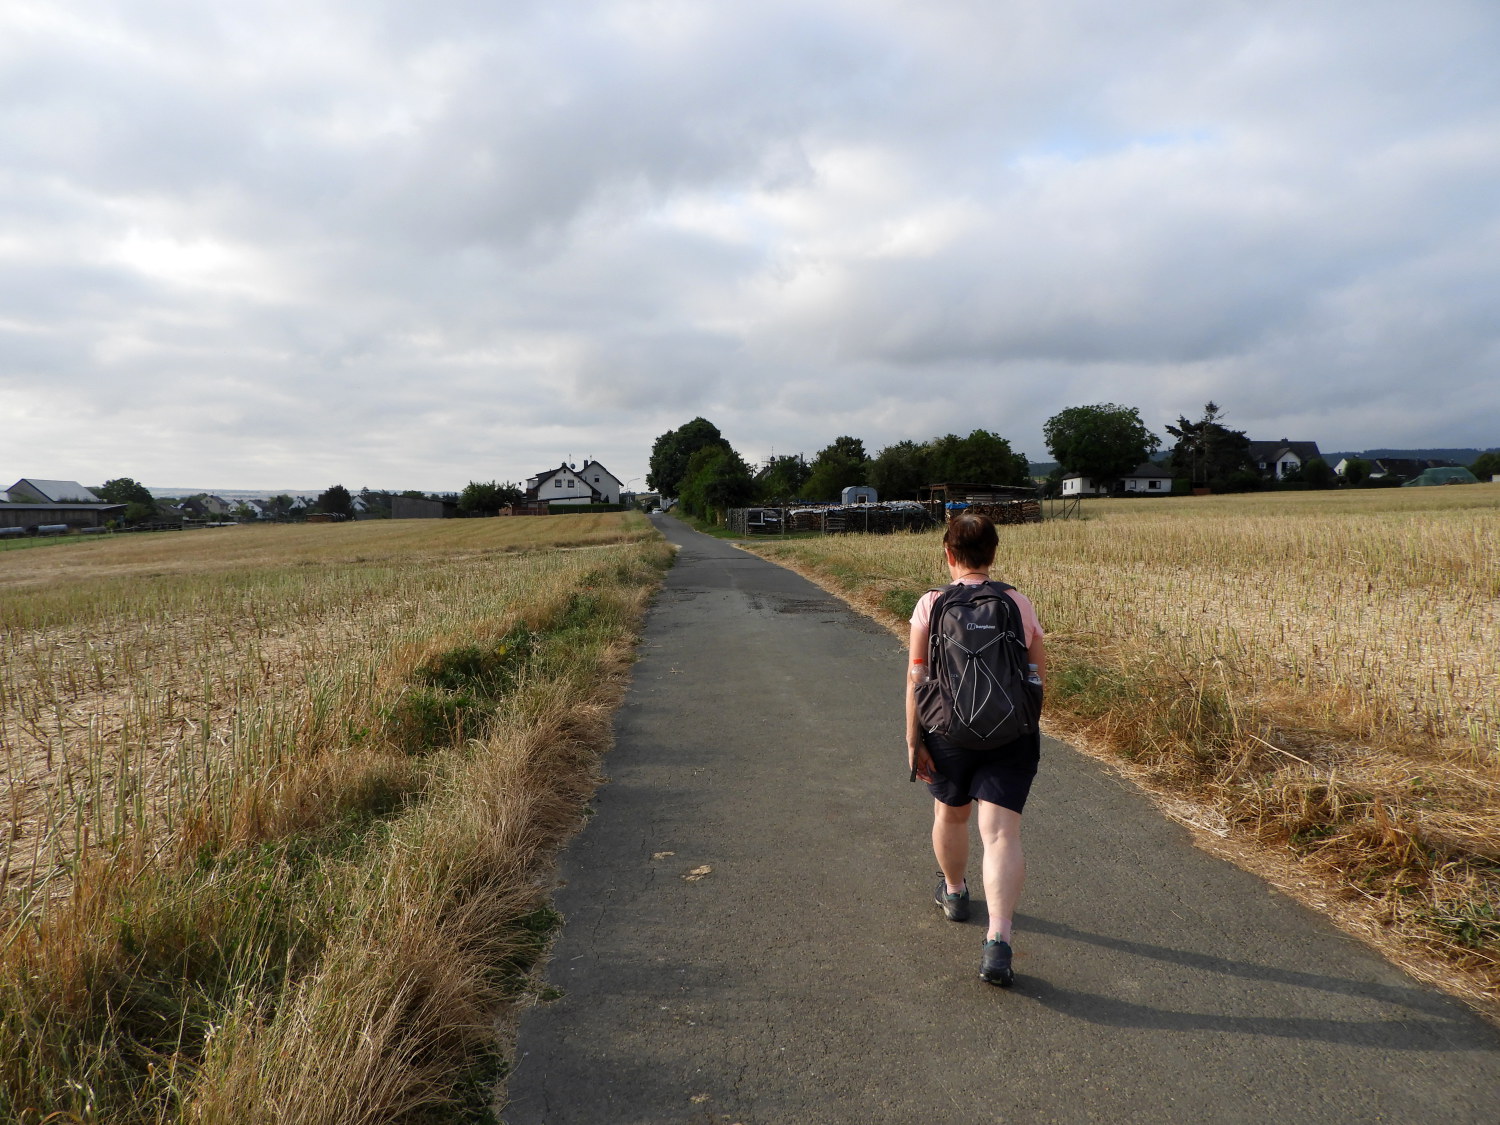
1001	777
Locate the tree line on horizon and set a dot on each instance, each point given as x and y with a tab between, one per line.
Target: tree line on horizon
1102	441
698	466
478	498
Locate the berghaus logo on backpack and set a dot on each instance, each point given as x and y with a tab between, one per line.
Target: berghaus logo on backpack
977	695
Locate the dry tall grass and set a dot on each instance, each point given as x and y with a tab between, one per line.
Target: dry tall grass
1319	670
274	802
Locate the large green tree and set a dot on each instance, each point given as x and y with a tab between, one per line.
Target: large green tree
1356	470
124	490
980	458
1317	473
377	502
1209	454
837	466
336	501
672	450
140	505
1486	465
1102	442
782	479
717	479
899	470
485	498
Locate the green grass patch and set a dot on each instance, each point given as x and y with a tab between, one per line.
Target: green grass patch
901	602
1471	923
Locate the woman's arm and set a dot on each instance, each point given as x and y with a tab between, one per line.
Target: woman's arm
917	757
1036	652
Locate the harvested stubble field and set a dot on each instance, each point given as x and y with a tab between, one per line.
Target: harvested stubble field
274	803
1309	679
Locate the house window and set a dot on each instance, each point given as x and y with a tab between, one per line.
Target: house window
596	480
1153	484
557	484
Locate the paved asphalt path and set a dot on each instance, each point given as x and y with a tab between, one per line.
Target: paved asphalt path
804	975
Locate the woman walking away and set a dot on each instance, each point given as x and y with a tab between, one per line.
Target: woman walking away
997	779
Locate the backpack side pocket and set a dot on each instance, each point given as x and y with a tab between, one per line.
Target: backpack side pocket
932	712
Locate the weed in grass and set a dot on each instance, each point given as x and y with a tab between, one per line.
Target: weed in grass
1473	925
423	719
901	603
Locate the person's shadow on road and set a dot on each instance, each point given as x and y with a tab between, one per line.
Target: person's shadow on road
1422	1020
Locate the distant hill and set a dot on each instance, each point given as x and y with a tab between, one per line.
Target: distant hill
232	493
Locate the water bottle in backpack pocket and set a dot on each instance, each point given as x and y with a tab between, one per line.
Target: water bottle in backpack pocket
981	693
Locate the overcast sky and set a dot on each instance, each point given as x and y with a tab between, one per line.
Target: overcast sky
286	244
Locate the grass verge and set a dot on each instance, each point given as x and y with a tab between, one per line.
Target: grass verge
334	943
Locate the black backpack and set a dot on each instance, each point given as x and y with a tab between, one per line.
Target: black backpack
977	694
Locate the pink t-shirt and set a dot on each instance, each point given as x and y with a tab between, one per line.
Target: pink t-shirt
921	616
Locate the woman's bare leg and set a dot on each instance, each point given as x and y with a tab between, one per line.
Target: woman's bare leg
950	840
1004	865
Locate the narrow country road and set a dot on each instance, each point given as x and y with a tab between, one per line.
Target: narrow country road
750	935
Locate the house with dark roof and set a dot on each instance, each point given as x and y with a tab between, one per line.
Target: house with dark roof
1406	468
567	485
1282	458
1146	479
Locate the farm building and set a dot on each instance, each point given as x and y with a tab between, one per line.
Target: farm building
1076	484
31	516
565	485
34	503
412	508
30	490
1278	459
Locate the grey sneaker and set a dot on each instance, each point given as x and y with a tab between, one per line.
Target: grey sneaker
956	907
995	968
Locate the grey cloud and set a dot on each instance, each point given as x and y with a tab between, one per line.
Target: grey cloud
386	242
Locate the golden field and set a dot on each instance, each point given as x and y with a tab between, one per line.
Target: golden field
1318	671
255	778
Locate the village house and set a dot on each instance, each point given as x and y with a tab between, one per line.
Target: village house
1146	479
566	485
1283	458
1402	468
205	507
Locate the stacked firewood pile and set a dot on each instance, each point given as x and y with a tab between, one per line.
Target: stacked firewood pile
1010	511
832	519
